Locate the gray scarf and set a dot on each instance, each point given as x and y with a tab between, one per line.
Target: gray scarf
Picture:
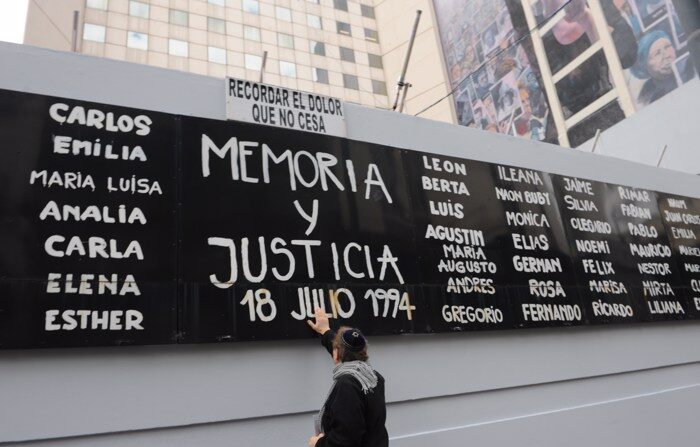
361	371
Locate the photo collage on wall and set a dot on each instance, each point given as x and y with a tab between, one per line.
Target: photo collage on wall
496	87
655	54
496	77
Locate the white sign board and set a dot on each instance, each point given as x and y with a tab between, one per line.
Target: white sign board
271	105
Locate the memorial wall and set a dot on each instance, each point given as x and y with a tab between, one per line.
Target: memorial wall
125	226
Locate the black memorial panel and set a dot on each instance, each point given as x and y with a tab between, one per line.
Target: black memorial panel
277	222
681	215
87	223
459	232
541	281
603	266
655	278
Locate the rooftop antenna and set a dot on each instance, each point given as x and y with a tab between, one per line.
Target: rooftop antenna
74	36
262	65
595	141
402	78
663	152
405	93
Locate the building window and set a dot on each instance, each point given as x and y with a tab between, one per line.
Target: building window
285	40
375	61
216	25
313	21
283	13
218	2
177	48
578	89
95	33
217	55
138	9
343	28
253	62
378	87
559	54
251	6
314	1
340	4
251	33
178	17
320	75
97	4
347	54
317	48
288	69
367	11
371	35
599	120
136	40
350	81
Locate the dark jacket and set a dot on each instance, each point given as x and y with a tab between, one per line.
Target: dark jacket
351	417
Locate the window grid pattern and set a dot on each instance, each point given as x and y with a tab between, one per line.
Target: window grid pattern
599	53
227	40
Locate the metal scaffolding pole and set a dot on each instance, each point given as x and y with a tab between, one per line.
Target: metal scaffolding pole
262	65
401	83
74	36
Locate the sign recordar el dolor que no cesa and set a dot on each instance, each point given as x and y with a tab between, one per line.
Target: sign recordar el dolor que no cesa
271	105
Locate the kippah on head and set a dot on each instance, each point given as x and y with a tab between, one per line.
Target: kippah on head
353	340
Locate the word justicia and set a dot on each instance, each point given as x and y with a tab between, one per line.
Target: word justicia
281	258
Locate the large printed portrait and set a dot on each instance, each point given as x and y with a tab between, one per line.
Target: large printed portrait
655	54
496	82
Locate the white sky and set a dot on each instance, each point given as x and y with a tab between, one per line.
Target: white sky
13	15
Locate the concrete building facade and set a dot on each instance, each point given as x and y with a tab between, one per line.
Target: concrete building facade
331	48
